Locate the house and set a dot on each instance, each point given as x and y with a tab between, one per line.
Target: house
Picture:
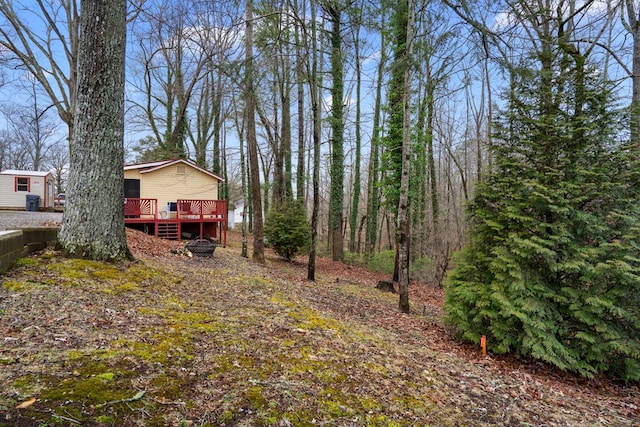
170	180
174	199
30	190
235	215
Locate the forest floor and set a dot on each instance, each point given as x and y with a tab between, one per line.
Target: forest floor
171	340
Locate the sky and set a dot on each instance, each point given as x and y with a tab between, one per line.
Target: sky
499	19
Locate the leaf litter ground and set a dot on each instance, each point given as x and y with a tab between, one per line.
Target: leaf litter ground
176	341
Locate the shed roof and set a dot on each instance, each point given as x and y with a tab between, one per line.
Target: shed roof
153	166
24	172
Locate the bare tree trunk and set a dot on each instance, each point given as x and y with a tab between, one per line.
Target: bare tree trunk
316	95
285	143
373	202
353	221
216	90
246	200
402	231
633	26
93	221
204	117
487	82
420	178
300	193
431	164
277	144
252	143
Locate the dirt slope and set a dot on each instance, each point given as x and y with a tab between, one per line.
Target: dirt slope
178	341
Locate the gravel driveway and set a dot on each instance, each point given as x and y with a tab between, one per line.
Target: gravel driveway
10	220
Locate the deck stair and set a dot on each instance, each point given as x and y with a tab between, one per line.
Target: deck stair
168	230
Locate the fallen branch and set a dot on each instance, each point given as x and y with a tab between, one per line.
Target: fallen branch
61	418
138	396
161	401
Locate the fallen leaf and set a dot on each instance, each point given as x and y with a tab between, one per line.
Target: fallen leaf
27	403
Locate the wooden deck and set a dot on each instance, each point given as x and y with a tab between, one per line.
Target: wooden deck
190	219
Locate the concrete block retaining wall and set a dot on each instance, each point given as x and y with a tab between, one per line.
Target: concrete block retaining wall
15	244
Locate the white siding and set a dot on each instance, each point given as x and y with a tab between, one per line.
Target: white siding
39	185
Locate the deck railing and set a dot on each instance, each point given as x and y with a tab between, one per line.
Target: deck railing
201	209
186	209
135	208
193	212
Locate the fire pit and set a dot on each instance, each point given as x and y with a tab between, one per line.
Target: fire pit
201	247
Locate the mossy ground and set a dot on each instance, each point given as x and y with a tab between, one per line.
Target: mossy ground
226	342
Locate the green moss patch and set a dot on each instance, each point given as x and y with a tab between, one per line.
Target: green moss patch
17	286
225	342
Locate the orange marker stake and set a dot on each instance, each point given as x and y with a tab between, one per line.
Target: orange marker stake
483	345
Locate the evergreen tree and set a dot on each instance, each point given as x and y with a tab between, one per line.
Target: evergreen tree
552	268
287	229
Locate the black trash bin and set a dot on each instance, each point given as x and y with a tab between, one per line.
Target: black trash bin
33	202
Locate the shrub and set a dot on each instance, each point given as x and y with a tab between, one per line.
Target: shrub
353	258
383	262
287	229
421	269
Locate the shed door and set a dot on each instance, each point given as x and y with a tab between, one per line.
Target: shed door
132	188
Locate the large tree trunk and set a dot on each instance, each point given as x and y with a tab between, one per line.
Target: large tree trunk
93	221
252	143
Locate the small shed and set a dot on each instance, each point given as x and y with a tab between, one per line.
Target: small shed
20	188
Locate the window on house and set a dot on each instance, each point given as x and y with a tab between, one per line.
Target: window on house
180	169
22	184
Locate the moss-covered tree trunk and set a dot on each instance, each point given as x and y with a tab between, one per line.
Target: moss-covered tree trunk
403	228
392	155
336	198
93	221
